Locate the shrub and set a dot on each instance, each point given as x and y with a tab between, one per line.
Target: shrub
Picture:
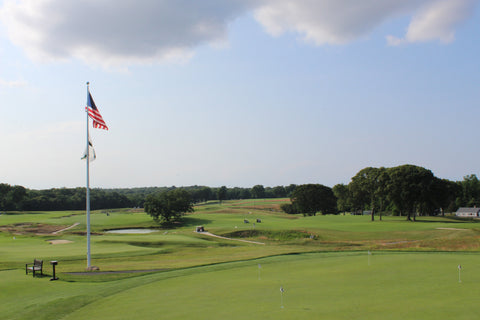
289	208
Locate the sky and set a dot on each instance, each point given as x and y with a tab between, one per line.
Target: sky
237	92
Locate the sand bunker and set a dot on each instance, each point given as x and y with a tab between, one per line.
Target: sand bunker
59	241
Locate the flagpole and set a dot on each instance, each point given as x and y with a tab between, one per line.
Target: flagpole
89	264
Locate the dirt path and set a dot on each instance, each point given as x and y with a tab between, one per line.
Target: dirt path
216	236
72	226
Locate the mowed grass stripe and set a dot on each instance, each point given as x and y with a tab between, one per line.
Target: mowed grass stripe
320	286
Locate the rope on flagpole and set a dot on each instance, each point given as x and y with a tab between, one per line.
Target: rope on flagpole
89	263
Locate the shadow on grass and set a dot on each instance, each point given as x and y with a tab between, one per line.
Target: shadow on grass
453	220
39	276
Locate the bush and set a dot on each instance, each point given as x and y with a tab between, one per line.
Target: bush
289	208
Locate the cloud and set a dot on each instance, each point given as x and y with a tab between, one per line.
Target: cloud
327	21
12	83
109	32
120	33
436	21
336	22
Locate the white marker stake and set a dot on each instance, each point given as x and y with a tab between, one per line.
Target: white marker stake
281	296
259	268
459	271
369	254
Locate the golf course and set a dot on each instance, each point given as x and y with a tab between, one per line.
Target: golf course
252	262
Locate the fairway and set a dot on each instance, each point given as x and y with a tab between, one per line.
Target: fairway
330	267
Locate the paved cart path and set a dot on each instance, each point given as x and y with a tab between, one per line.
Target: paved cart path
216	236
72	226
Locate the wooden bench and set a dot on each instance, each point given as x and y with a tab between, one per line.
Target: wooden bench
37	265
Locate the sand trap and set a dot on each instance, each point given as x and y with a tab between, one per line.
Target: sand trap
59	241
452	229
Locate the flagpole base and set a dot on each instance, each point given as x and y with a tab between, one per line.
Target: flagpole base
93	268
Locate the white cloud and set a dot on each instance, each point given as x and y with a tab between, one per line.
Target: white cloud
436	21
327	21
121	33
341	21
12	83
110	33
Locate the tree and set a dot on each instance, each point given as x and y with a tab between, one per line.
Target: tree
4	191
169	206
410	188
470	195
222	193
343	195
11	197
279	192
202	194
289	189
288	208
312	198
258	192
245	194
381	194
366	188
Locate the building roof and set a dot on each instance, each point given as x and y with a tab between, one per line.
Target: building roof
467	210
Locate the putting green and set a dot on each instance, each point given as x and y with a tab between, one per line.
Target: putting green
319	286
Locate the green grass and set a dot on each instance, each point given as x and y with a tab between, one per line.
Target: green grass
322	262
317	285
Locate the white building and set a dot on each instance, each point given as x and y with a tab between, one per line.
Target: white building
468	212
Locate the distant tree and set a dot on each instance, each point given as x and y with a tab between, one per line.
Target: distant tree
279	192
366	187
288	208
312	198
234	193
410	188
343	195
169	206
11	197
470	191
449	192
202	194
289	189
258	191
269	194
245	194
4	191
222	193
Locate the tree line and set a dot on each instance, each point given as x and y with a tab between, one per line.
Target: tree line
19	198
403	190
406	190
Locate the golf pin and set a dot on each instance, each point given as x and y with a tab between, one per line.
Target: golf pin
281	296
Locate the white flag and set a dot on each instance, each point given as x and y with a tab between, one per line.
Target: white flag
91	152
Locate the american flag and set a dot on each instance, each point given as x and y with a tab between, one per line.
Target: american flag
95	114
